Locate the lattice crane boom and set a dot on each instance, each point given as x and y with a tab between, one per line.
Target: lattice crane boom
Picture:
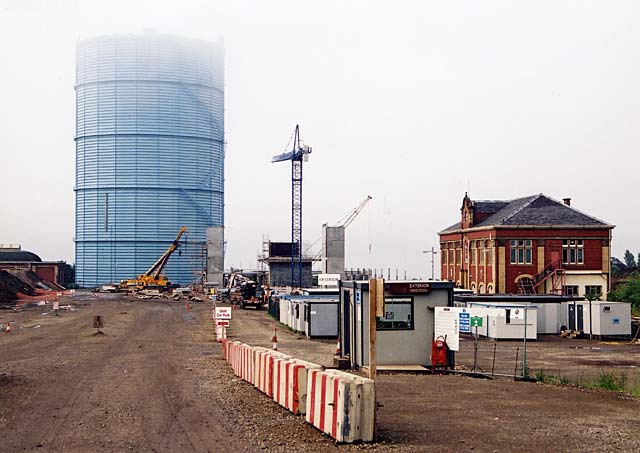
355	213
297	155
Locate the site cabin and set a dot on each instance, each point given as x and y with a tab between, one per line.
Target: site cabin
313	315
320	317
404	333
601	319
551	309
297	315
503	321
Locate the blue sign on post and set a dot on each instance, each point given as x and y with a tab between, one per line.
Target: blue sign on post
465	323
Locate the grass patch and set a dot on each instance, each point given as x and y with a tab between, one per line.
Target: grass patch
611	381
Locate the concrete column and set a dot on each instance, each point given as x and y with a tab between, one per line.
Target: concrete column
502	270
606	265
542	288
215	255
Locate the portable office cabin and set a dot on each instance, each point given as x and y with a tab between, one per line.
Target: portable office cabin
504	321
600	318
404	333
321	317
295	314
551	313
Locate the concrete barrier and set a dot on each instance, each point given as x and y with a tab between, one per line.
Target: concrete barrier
290	378
341	405
263	369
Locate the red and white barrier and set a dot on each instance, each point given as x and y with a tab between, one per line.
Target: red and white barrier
263	369
221	333
290	383
341	405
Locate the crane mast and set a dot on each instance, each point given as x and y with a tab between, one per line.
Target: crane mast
297	155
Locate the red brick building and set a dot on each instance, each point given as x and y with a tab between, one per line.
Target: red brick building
528	245
13	257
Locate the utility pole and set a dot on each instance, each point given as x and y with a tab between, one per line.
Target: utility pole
433	267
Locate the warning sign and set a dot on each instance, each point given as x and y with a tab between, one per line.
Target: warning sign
223	312
517	313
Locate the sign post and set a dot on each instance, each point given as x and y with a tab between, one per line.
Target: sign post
223	318
524	349
476	321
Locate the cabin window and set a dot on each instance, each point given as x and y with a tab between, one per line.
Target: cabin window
398	314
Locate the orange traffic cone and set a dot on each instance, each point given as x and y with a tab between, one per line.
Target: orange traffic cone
187	306
338	347
275	339
8	328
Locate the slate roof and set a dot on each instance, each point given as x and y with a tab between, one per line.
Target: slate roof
535	210
14	256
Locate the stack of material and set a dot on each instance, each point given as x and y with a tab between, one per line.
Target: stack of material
34	280
16	284
11	286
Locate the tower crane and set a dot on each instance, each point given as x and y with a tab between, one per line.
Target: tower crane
349	218
344	222
297	155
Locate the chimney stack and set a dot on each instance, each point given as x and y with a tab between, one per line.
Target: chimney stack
567	201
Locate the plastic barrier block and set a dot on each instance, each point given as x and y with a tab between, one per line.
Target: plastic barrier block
341	405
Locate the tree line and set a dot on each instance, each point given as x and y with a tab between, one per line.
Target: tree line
627	272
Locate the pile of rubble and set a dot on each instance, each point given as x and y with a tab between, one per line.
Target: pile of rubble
18	285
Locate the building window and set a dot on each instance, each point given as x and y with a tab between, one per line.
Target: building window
593	290
474	251
458	256
483	252
490	255
573	251
570	290
521	251
398	314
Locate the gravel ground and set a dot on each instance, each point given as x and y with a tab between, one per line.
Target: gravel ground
156	381
574	359
456	413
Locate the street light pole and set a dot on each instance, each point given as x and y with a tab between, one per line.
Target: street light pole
433	254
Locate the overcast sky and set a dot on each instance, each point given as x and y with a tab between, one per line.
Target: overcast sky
411	102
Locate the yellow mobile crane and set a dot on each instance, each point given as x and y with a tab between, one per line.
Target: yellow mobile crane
153	278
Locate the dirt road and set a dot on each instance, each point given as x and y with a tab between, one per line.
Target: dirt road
156	382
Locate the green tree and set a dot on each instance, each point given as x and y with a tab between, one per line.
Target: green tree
629	291
629	260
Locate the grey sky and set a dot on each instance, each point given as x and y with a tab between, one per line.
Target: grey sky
405	101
